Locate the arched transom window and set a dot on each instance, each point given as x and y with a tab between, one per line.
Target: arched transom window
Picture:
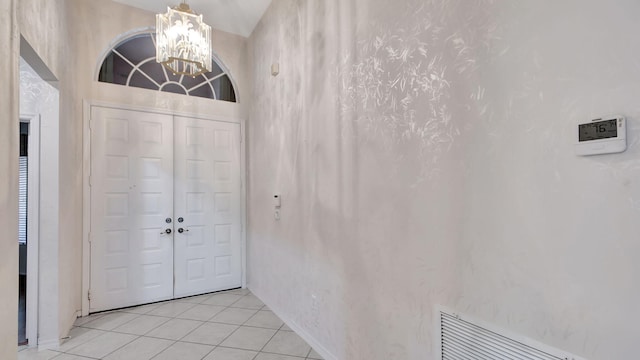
133	63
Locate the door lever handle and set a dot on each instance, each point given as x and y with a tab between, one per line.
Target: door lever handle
167	231
181	230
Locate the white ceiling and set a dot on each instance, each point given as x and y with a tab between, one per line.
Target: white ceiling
234	16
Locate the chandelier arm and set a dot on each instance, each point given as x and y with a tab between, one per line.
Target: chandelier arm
183	41
166	75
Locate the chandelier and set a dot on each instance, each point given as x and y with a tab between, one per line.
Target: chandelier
183	41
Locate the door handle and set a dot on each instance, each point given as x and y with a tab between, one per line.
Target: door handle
167	231
181	230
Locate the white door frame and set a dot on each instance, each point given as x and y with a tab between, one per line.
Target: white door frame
33	227
86	190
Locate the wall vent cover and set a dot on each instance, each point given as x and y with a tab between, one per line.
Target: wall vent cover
462	338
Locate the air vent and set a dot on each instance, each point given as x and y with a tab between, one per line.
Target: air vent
462	338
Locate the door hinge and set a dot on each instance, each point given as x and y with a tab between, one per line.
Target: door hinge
89	295
90	181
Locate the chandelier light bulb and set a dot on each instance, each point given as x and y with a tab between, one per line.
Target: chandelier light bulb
183	41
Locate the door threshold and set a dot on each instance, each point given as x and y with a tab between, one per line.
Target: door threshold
163	301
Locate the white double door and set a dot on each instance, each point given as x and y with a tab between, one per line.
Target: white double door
165	207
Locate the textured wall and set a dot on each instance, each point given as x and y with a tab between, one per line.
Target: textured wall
39	98
100	25
72	51
9	41
47	28
108	22
69	36
424	154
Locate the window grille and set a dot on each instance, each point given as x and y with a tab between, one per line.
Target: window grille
133	63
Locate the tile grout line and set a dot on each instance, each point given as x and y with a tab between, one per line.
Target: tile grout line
177	318
83	357
120	313
138	336
209	353
157	326
263	346
233	332
117	348
267	343
238	326
96	337
151	337
214	346
139	316
281	354
156	355
177	341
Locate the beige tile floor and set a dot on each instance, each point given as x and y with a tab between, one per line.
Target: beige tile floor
232	325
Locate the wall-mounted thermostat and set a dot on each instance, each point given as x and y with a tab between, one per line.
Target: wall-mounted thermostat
605	135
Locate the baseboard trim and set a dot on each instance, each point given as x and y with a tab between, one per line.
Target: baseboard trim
312	341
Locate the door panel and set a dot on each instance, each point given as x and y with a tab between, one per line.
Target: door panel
131	196
207	197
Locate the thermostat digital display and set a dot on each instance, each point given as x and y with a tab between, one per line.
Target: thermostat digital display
602	136
598	130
